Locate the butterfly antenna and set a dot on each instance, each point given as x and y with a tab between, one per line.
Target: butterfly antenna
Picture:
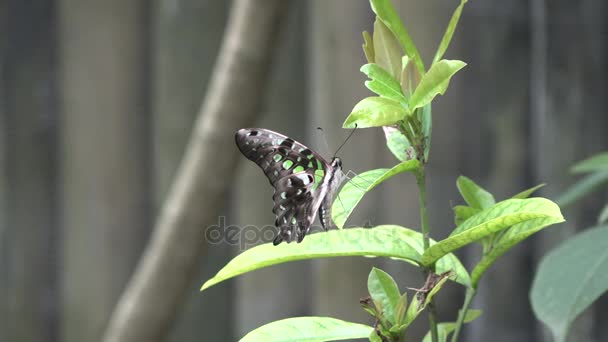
345	140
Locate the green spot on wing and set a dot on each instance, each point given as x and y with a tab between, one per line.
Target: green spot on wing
287	164
298	168
277	157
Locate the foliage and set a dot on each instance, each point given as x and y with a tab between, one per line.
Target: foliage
404	91
574	274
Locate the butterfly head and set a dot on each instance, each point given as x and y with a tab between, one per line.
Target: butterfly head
336	163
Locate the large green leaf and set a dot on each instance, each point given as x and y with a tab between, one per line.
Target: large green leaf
491	220
398	144
587	185
476	196
387	52
353	191
385	11
434	82
375	112
382	83
598	162
509	239
384	292
308	329
384	241
388	241
569	279
449	32
445	329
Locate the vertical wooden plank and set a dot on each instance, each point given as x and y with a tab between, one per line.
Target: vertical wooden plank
186	38
335	86
28	236
279	291
498	50
569	116
104	179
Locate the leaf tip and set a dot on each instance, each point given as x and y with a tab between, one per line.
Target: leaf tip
207	285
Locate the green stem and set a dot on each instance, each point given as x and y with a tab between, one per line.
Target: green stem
424	221
433	321
468	299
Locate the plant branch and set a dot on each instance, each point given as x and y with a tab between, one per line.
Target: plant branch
468	299
424	222
160	283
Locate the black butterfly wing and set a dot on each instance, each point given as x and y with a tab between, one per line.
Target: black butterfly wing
294	206
295	172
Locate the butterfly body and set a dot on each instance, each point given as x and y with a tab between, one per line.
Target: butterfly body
304	182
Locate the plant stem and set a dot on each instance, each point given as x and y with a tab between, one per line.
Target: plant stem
424	221
468	299
421	181
433	321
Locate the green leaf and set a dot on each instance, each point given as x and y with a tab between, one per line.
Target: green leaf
449	32
384	292
398	144
569	279
385	11
587	185
309	329
598	162
410	77
426	118
445	329
434	82
368	47
400	309
382	83
387	51
375	112
353	191
603	215
476	196
381	241
389	241
413	310
491	220
509	239
526	193
463	212
373	337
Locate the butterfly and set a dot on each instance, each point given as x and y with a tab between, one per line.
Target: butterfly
304	182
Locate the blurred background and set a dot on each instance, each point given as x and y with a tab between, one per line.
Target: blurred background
98	100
